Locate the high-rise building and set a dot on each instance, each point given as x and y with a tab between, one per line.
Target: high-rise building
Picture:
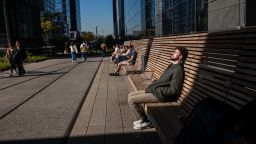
184	16
133	18
115	22
62	8
65	14
20	21
47	6
153	18
118	19
225	15
75	15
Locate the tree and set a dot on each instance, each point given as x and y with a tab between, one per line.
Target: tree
46	27
88	36
109	40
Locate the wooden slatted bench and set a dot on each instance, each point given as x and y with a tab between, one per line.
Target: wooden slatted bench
142	47
219	65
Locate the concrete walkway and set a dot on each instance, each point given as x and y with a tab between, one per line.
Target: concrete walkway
105	117
41	107
53	104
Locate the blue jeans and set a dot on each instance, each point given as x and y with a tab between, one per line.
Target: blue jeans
73	55
84	55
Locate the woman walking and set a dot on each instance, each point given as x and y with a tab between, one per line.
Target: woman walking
9	56
73	50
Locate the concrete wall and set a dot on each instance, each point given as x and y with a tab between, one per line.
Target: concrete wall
225	14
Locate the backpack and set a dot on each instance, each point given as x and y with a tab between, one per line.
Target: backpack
206	123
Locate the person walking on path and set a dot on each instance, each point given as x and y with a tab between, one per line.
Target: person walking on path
9	56
84	49
166	88
73	50
103	47
19	56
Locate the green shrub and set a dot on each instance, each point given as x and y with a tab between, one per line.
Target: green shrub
32	58
4	64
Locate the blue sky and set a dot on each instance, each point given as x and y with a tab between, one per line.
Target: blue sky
97	13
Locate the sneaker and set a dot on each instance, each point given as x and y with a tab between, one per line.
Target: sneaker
137	122
143	125
114	74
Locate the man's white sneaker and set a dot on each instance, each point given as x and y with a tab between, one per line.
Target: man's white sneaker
142	125
137	122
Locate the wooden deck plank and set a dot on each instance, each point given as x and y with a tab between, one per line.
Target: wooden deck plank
114	126
105	117
131	136
82	122
96	130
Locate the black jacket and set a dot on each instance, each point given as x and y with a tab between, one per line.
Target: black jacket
168	86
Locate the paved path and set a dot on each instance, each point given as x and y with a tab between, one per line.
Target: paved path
105	117
41	106
53	104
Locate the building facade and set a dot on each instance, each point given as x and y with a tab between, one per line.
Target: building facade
47	6
20	22
132	18
154	18
226	15
115	23
118	19
62	7
75	15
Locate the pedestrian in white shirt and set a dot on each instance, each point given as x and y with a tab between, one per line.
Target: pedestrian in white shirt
73	50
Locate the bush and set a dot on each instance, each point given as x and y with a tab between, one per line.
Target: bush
4	64
33	58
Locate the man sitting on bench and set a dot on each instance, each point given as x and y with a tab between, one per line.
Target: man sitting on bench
131	60
166	88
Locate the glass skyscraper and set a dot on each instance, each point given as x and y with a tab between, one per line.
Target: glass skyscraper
118	19
69	15
75	15
23	22
133	18
47	6
153	18
62	7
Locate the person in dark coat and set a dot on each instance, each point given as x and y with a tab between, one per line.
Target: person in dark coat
166	88
19	57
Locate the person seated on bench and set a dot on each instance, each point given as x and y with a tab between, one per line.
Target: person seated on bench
116	53
166	88
125	54
131	60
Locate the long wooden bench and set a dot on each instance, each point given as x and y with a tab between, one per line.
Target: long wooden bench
142	47
219	65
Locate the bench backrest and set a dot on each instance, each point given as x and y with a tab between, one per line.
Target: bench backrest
243	83
220	65
142	47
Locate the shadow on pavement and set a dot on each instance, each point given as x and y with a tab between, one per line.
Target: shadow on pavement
127	138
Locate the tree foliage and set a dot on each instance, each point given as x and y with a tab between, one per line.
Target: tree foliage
46	27
88	36
109	40
50	28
